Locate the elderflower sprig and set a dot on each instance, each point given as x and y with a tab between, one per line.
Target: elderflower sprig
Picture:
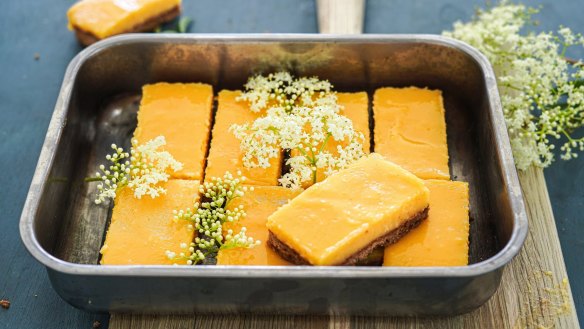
143	169
283	90
208	217
301	115
542	97
239	240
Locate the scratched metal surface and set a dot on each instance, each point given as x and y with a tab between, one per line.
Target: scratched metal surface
61	220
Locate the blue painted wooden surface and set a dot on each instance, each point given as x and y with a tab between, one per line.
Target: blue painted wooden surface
29	88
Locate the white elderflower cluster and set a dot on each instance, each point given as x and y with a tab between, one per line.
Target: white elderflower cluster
303	119
188	254
143	169
283	90
208	217
239	240
115	176
542	96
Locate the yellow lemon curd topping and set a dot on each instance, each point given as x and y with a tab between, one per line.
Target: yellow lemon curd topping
142	230
341	215
440	240
356	108
104	18
258	203
410	130
181	112
225	153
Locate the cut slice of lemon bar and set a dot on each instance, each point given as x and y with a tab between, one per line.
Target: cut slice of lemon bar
442	239
340	220
225	153
181	112
258	205
355	106
142	230
93	20
410	130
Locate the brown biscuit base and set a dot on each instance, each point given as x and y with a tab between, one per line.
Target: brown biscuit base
87	38
293	257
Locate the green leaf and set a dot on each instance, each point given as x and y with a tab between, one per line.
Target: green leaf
184	24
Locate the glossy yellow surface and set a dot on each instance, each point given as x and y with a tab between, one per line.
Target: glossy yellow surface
410	130
339	216
356	108
442	239
104	18
181	112
142	230
225	153
258	204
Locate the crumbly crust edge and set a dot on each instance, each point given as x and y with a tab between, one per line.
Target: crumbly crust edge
391	237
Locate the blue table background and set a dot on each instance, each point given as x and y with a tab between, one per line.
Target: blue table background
29	89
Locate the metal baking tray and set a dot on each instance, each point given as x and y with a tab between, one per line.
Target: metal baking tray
63	229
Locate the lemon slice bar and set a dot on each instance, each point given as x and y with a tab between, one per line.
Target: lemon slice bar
225	153
355	106
93	20
442	239
142	230
181	112
340	220
258	205
410	130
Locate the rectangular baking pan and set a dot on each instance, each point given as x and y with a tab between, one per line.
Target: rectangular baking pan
63	229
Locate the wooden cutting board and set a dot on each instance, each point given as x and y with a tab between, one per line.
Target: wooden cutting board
534	291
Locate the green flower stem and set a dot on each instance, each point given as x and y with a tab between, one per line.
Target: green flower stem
328	136
311	160
570	139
